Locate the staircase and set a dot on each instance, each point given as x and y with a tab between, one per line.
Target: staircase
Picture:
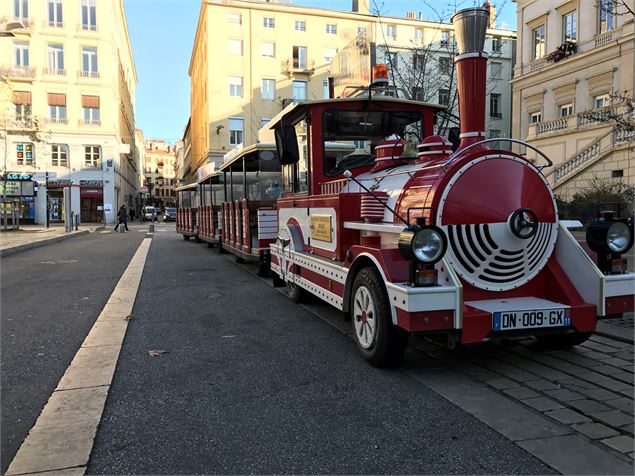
592	153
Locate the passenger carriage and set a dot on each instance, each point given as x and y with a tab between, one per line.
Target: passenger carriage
187	211
212	194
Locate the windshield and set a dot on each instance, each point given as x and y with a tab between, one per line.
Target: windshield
170	210
350	137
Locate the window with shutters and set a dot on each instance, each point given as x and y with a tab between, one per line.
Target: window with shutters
268	49
268	89
236	130
235	84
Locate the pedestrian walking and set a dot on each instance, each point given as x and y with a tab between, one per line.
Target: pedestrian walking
132	214
123	218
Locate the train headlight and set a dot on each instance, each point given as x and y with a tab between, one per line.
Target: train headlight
426	244
619	237
610	238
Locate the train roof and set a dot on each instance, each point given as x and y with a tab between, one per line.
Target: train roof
186	187
231	156
297	109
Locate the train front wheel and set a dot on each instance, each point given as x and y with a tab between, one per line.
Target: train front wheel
380	342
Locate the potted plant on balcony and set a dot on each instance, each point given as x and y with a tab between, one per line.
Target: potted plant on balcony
565	49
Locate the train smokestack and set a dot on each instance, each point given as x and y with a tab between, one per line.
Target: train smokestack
470	26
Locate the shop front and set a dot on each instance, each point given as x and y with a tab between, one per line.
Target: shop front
19	188
55	199
91	193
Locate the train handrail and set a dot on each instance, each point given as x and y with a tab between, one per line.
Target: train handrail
497	139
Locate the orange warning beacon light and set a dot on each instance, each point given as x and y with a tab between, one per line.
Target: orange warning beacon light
380	74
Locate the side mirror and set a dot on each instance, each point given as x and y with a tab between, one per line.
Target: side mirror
287	145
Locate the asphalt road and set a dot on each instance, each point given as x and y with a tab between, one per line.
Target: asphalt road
252	383
50	299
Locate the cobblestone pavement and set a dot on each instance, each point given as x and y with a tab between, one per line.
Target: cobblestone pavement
588	388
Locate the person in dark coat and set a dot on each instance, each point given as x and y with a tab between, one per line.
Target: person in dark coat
123	218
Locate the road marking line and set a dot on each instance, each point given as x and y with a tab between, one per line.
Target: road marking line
62	438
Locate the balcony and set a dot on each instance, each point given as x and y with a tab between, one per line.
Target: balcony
603	38
52	24
57	120
86	28
53	72
18	72
89	122
569	124
295	66
28	23
88	74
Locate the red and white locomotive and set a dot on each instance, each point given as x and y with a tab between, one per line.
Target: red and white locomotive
406	235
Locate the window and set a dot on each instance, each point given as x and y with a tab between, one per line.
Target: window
235	47
299	58
444	97
566	109
326	91
493	134
268	49
331	28
419	34
495	106
391	31
606	15
90	67
535	117
21	53
329	54
91	156
55	59
299	90
617	173
538	36
234	18
391	59
55	13
497	43
235	86
268	89
90	108
264	121
496	70
444	65
602	100
89	15
418	62
23	112
57	114
24	153
300	25
569	27
445	39
236	128
21	9
269	22
59	155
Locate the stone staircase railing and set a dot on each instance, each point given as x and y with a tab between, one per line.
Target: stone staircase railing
590	152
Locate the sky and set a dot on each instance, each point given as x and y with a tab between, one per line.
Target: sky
162	34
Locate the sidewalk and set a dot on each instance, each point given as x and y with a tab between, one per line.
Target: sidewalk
33	236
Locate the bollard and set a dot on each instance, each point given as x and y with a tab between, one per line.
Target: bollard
151	228
76	222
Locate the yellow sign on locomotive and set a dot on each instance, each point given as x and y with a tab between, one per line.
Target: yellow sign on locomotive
321	227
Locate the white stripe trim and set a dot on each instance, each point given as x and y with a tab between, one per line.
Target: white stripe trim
471	134
471	54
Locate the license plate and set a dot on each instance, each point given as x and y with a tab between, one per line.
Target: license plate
511	320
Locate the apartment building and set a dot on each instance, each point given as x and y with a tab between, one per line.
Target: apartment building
159	173
252	58
69	87
573	79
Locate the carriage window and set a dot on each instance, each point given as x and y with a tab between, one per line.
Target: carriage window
350	137
235	182
263	175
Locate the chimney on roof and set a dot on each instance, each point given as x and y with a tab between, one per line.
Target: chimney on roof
492	14
420	16
410	15
361	6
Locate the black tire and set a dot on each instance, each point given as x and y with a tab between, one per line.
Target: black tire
186	238
562	341
295	292
386	345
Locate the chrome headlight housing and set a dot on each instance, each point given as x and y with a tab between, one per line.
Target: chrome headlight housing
426	244
619	237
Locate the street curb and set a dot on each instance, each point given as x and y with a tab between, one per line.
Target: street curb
40	243
608	335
